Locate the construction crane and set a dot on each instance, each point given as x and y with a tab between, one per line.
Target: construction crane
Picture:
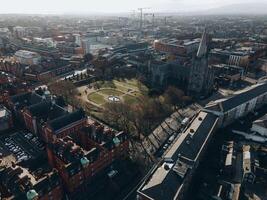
166	18
141	17
153	18
133	14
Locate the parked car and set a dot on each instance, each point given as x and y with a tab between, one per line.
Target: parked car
165	147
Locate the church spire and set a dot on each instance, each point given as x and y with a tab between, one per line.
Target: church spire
202	49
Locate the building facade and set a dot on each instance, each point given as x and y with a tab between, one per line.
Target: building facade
6	121
43	116
20	183
201	78
84	154
27	57
239	105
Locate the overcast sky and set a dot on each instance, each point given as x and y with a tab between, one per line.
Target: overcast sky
110	6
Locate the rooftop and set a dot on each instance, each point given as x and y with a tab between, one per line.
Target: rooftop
194	136
4	112
67	119
46	110
225	105
26	54
244	96
19	181
25	99
262	121
167	179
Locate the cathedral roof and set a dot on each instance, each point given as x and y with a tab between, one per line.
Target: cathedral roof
202	49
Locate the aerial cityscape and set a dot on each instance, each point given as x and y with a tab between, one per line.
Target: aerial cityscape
133	100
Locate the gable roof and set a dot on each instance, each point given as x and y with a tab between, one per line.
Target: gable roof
165	183
67	119
46	110
25	99
244	97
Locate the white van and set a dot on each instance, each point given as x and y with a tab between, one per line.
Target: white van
185	121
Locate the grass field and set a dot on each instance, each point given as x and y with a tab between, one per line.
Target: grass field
128	91
110	91
95	95
96	98
130	99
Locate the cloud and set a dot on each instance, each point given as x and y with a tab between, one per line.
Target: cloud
62	6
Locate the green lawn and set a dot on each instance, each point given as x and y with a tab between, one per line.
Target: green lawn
123	85
110	91
107	84
96	98
118	88
130	99
126	84
122	88
136	94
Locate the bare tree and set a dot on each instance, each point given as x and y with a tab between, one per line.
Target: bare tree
66	89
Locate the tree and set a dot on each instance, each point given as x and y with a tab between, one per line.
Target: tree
174	96
138	119
88	57
66	89
101	64
186	100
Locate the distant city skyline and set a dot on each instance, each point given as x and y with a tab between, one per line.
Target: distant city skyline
113	6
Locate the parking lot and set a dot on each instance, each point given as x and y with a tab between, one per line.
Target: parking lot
21	145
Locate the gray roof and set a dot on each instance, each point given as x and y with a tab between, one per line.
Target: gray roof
26	99
166	181
46	110
243	97
262	121
190	143
67	119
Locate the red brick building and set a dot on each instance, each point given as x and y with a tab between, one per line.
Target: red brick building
6	121
18	102
11	66
78	164
43	116
63	126
20	183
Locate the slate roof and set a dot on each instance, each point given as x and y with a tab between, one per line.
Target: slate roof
26	99
189	145
243	97
164	183
262	121
166	187
67	119
46	110
19	181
